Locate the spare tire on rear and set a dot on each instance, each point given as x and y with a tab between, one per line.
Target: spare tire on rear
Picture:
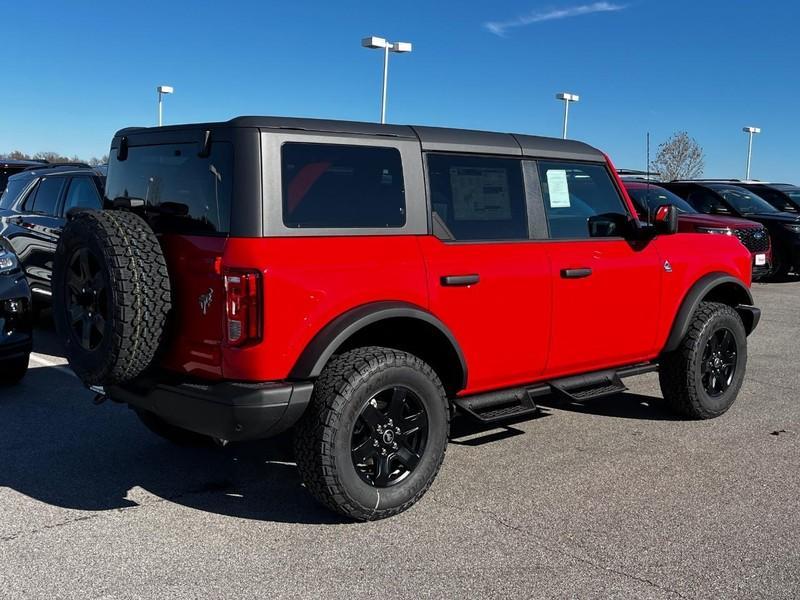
111	296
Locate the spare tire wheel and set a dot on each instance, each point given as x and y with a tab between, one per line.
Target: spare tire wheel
111	296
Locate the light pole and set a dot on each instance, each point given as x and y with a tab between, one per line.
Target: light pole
567	98
162	90
750	131
399	47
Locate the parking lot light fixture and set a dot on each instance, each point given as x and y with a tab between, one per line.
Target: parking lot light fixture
567	98
162	90
750	131
380	43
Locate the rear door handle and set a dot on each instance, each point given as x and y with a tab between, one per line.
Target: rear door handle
576	273
460	280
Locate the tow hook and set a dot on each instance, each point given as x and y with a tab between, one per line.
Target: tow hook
99	394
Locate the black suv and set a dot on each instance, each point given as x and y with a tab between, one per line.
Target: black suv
724	198
33	211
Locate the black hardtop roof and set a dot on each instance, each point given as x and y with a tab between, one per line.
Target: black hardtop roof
432	138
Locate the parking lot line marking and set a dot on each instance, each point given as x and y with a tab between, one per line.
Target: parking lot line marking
44	360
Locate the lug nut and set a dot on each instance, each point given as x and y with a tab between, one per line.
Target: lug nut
375	443
394	445
383	452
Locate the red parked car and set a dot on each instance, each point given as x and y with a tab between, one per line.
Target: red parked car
755	237
363	283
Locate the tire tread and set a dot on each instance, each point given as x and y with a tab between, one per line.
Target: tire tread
313	441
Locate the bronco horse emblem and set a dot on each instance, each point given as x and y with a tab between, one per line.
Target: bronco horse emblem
205	300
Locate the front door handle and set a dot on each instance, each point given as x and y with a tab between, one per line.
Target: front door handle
576	273
460	280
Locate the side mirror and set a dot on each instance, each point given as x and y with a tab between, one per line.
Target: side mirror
665	219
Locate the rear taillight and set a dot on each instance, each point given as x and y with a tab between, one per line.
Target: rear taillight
242	307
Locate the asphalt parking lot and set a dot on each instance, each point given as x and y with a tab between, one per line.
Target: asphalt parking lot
613	499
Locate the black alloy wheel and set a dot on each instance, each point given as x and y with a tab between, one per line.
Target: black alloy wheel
389	437
719	362
87	299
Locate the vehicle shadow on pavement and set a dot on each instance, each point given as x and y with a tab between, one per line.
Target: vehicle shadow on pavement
467	432
58	448
789	278
627	405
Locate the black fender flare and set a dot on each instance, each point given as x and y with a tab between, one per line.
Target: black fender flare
325	343
740	298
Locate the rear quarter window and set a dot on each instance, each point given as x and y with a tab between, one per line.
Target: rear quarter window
180	191
339	186
12	190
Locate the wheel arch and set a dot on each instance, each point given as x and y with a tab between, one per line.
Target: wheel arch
398	325
714	287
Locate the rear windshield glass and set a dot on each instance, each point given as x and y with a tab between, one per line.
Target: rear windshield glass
181	191
326	185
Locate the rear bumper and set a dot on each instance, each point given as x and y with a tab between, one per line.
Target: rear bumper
228	411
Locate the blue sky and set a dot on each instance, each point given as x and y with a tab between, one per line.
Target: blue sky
73	73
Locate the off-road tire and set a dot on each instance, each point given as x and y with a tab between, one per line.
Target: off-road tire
176	435
138	295
323	436
13	370
680	371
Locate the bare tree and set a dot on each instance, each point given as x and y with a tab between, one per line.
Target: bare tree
680	157
16	155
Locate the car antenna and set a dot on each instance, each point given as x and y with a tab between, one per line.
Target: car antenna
647	170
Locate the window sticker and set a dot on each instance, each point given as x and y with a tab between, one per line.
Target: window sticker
558	189
480	194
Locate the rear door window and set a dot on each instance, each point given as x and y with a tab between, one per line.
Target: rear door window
82	193
340	186
181	191
477	198
44	200
575	195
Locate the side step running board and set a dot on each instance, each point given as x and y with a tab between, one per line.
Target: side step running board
587	387
503	405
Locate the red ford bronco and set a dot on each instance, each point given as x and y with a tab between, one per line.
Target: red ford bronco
363	283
